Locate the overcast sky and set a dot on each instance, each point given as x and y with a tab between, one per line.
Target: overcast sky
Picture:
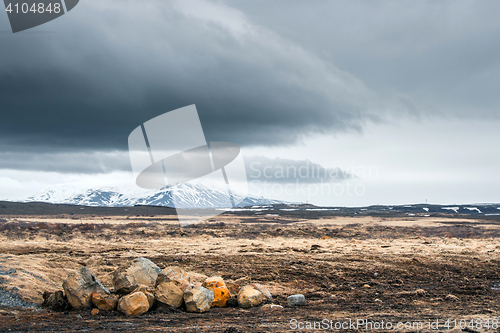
400	97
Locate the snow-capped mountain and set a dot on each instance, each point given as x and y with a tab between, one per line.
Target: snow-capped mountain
184	196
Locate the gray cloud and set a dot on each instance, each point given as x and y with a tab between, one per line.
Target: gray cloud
85	162
281	170
444	55
259	168
257	78
111	66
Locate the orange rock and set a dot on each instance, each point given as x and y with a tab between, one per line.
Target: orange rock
133	304
325	237
170	294
94	312
219	288
149	292
106	303
249	297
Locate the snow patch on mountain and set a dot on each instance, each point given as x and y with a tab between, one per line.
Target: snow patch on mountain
180	196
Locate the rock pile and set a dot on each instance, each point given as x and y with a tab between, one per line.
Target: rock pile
142	285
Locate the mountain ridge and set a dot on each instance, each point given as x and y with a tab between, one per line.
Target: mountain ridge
180	196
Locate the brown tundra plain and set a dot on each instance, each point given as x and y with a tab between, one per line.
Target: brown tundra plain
412	272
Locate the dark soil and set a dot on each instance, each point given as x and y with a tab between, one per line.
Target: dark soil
392	294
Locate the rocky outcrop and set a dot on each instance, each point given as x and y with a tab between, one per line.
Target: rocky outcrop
141	271
220	290
249	297
79	286
198	299
134	304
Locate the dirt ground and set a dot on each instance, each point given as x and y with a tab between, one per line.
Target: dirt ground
406	271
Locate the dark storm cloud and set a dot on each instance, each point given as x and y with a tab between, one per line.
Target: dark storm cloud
257	78
445	55
282	170
111	66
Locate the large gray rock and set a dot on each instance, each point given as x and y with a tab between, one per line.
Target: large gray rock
79	286
141	271
198	299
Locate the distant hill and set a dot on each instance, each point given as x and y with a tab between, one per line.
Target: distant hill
390	210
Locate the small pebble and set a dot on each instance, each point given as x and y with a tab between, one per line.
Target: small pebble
272	307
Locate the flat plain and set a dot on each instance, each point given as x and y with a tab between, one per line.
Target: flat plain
378	268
